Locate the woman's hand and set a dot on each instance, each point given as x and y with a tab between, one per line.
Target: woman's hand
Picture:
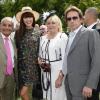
59	80
40	61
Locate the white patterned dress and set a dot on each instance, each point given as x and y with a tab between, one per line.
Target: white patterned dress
56	49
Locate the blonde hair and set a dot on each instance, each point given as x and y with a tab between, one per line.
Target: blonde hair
56	19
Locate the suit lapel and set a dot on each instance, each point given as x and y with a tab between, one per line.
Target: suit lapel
2	45
76	39
3	49
14	47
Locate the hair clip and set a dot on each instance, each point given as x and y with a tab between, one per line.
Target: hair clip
46	15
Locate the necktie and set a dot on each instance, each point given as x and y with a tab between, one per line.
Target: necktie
9	67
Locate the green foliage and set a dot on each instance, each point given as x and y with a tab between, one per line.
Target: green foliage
6	8
9	8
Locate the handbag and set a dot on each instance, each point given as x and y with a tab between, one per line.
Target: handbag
46	67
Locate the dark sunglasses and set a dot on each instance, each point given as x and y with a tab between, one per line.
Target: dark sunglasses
72	18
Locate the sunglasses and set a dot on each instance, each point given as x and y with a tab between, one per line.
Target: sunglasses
72	18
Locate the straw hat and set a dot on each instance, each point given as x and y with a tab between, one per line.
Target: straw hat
27	9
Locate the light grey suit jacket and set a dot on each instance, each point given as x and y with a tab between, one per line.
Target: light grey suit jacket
83	61
3	60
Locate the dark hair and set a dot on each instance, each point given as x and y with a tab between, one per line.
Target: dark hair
21	31
73	8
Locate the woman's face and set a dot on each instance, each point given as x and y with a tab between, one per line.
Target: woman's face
52	26
28	21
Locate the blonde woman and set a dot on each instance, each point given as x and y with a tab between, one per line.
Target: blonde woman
52	49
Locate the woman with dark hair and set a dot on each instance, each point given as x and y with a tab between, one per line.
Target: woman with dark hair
27	43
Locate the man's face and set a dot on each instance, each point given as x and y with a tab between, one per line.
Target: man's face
73	20
87	17
43	29
6	27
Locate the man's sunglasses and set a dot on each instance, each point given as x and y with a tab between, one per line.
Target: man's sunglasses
72	18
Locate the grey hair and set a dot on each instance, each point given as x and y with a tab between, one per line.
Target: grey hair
93	11
7	19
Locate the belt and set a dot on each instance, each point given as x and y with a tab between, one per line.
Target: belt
52	60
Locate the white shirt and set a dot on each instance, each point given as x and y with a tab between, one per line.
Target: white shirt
11	47
90	26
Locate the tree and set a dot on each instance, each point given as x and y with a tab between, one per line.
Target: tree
9	8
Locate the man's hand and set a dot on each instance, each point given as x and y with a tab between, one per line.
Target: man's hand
87	92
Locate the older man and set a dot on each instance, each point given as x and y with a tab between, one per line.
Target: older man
7	60
91	21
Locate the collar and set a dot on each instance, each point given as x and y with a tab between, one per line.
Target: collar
3	36
90	26
73	33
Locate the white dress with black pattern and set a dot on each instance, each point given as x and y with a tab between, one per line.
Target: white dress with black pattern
56	50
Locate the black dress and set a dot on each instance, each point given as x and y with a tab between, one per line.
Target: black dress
27	58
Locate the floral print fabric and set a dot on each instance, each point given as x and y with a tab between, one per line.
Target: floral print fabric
27	57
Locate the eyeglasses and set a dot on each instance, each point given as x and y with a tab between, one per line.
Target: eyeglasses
72	18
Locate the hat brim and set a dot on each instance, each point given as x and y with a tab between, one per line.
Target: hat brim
19	14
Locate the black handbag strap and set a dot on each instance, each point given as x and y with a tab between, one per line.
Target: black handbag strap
49	83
